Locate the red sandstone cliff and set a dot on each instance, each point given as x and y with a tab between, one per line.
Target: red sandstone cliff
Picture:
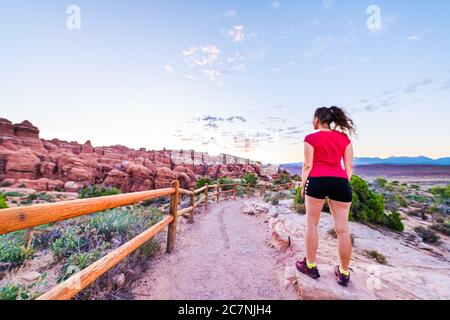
26	160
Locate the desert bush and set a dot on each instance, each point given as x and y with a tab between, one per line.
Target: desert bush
3	204
415	187
96	191
441	194
298	196
284	178
418	197
250	178
14	292
68	243
427	235
394	221
203	181
14	248
381	182
13	194
227	182
5	184
77	262
375	255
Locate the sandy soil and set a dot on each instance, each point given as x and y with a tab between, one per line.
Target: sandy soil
223	255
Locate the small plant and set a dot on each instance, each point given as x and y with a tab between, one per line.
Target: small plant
441	194
227	184
14	292
442	227
284	178
250	178
13	194
3	204
394	221
77	262
203	182
427	235
96	191
375	255
381	182
5	184
14	248
415	187
67	244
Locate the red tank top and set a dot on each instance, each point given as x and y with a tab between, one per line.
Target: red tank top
329	148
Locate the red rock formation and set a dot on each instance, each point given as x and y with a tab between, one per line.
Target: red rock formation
40	164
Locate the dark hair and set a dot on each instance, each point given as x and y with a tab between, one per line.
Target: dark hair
336	116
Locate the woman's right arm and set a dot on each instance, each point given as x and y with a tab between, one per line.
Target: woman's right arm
348	161
307	164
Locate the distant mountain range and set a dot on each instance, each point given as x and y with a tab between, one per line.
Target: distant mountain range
421	160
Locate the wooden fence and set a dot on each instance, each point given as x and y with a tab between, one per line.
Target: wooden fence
21	218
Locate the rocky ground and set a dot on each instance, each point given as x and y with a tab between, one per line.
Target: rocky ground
386	264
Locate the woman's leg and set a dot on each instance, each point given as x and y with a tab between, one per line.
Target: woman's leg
340	212
313	209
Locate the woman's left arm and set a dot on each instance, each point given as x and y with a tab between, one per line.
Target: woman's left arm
307	165
348	161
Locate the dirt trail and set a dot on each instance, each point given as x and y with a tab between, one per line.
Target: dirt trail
223	255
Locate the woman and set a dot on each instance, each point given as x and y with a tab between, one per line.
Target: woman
323	176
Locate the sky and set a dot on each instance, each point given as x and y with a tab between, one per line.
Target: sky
238	77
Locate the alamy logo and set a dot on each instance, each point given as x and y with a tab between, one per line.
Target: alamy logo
374	20
74	18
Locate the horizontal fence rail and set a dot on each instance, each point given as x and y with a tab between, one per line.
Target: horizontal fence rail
21	218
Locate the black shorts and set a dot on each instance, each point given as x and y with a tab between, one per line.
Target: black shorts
334	188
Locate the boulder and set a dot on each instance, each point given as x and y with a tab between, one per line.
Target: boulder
28	135
164	177
117	179
255	207
72	186
140	178
22	164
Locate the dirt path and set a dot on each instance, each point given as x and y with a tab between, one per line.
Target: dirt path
224	255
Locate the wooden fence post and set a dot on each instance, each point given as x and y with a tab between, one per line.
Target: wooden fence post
191	216
172	232
206	197
218	192
234	191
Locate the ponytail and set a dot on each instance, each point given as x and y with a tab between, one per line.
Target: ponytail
336	116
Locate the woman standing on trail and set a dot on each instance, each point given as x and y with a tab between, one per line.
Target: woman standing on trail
323	176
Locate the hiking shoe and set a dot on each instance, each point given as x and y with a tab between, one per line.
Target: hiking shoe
341	278
303	268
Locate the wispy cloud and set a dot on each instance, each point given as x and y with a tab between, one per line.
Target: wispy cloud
168	68
319	45
237	33
216	76
201	55
418	35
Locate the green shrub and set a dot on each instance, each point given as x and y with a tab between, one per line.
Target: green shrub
227	182
415	187
418	198
442	194
375	255
115	221
67	244
284	178
14	248
250	178
298	199
45	197
96	191
14	292
394	221
3	204
203	182
13	194
381	182
5	184
427	235
77	262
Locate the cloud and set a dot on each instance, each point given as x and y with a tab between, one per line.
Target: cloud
230	13
190	77
275	4
201	55
413	87
446	85
216	76
168	68
237	33
327	4
239	67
